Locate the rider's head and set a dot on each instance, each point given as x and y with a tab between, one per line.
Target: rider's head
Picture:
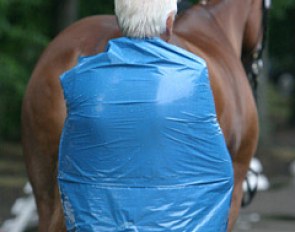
146	18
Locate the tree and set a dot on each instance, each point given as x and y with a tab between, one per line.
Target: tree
22	37
26	27
282	43
67	13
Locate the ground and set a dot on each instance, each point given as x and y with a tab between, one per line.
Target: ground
271	211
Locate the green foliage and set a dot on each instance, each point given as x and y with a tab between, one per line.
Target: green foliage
23	36
278	107
280	7
282	33
92	7
27	26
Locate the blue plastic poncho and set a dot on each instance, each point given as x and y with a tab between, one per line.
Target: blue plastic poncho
141	148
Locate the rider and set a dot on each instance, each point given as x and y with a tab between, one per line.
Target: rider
141	149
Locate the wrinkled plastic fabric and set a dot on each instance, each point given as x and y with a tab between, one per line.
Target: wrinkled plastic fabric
141	149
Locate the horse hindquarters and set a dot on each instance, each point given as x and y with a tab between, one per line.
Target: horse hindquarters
44	110
41	129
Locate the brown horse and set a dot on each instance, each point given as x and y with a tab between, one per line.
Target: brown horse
218	31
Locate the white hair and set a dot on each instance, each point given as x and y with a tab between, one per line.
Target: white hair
144	18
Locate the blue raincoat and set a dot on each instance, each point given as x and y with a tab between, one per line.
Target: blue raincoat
141	149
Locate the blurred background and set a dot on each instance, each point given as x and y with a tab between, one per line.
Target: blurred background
26	28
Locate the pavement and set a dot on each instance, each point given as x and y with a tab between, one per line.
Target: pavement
270	211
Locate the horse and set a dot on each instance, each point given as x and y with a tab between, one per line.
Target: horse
220	31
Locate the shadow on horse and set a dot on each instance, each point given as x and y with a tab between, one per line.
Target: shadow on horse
220	31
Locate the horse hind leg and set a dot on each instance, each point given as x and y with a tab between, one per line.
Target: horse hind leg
241	162
57	223
43	187
41	163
